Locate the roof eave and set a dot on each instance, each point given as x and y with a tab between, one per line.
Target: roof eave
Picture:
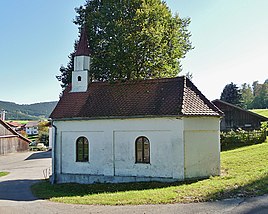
116	117
179	116
263	118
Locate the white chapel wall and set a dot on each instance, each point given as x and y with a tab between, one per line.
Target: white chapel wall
112	147
202	146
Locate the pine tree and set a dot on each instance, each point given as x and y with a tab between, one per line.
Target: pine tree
231	94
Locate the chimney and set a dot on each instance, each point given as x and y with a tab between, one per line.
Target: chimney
3	115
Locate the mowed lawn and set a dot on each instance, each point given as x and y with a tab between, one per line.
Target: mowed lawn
244	174
263	112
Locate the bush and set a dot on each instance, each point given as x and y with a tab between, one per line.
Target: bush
264	126
43	137
241	137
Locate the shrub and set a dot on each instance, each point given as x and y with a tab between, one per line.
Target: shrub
241	137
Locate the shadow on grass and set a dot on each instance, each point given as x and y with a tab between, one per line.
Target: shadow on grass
237	146
256	188
234	146
45	190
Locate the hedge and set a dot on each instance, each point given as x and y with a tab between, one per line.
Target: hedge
240	137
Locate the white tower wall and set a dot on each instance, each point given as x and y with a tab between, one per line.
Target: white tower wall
81	63
80	81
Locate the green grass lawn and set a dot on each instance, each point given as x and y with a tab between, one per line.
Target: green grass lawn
244	174
263	112
3	173
20	121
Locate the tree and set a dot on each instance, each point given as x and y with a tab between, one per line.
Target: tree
246	96
260	95
231	94
66	72
133	39
256	87
43	135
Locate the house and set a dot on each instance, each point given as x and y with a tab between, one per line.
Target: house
15	125
236	117
31	128
148	130
11	141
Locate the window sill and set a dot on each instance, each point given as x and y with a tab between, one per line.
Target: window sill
138	163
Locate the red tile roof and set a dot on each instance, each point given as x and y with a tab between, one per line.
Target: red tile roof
159	97
82	47
32	124
14	123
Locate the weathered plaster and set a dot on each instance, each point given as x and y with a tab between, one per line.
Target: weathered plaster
179	148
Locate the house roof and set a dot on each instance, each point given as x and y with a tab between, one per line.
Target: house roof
145	98
82	47
14	124
218	103
32	124
13	131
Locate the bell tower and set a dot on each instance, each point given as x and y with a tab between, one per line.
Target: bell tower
80	75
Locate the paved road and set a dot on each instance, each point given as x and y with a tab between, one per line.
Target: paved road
27	168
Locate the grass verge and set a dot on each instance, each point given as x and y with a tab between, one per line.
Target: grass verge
244	174
3	173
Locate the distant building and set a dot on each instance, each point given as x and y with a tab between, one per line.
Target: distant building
31	128
16	126
236	117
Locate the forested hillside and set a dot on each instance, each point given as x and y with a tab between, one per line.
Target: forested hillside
27	112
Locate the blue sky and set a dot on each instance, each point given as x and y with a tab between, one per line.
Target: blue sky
230	39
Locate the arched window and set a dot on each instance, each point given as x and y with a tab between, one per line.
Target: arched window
79	78
142	147
82	149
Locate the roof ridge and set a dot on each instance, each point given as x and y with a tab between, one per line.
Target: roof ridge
183	95
189	84
143	81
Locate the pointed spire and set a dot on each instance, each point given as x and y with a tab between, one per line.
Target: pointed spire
82	47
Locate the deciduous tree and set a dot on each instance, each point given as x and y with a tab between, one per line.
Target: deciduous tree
133	39
260	95
246	96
